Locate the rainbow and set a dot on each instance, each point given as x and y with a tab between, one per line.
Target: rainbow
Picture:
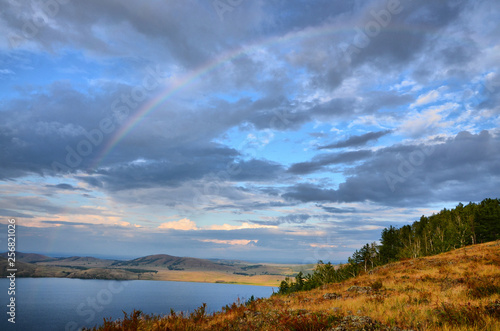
163	96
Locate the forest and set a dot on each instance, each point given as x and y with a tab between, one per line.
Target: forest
449	229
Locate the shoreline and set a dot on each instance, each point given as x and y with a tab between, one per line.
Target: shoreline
157	280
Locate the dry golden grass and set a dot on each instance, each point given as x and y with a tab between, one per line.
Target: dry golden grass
458	290
217	277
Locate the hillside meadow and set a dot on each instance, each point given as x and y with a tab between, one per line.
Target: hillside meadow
457	290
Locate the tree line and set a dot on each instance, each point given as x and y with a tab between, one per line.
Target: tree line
438	233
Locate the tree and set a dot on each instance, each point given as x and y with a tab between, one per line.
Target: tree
391	244
488	220
284	287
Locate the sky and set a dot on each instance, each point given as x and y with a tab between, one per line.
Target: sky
271	131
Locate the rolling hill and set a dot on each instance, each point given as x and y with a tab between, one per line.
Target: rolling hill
87	261
457	290
29	257
164	261
152	267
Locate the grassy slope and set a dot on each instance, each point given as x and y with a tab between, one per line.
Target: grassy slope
458	290
217	277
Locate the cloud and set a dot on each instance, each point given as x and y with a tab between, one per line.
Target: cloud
369	227
67	187
12	213
323	246
79	224
217	165
357	140
244	225
491	93
427	122
429	97
236	242
335	210
319	162
396	175
310	192
183	224
287	219
6	72
188	225
293	218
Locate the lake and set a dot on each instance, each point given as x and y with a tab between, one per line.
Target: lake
69	304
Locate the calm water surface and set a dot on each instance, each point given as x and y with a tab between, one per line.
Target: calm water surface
69	304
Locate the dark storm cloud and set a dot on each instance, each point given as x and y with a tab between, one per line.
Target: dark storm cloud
399	46
310	192
280	113
39	131
171	171
257	170
490	93
458	54
12	213
293	18
283	114
294	218
32	204
357	140
67	187
218	167
39	205
170	27
379	100
387	46
322	160
39	128
251	206
165	29
463	168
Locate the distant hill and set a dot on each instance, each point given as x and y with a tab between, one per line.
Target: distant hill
164	261
23	269
42	270
28	257
79	259
151	267
86	261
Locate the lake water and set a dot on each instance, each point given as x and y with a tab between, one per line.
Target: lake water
69	304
